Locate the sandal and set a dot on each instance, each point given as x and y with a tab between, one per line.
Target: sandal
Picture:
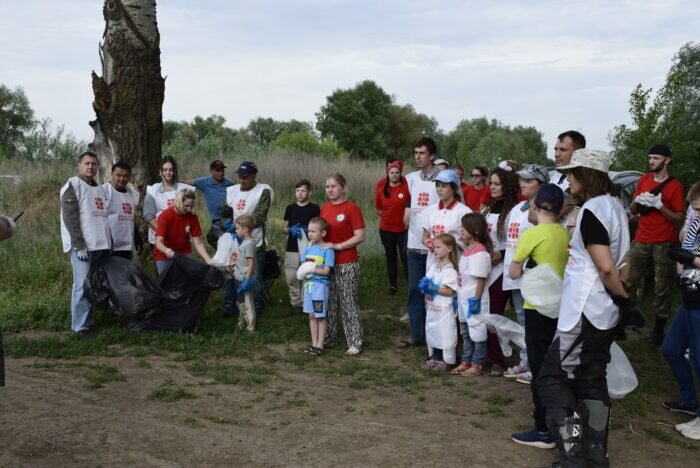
309	350
473	371
352	351
316	351
464	365
496	371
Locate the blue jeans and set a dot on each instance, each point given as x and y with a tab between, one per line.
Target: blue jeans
472	352
230	293
80	308
258	296
416	300
684	333
519	306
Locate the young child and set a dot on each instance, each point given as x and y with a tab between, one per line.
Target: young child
473	295
244	272
439	287
546	243
317	286
296	219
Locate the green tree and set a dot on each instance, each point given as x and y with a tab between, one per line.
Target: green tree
357	119
306	142
16	120
406	126
671	116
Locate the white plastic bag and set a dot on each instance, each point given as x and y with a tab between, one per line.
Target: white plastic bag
226	254
506	330
542	288
621	377
305	270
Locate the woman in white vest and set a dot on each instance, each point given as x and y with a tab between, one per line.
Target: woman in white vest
572	382
85	234
532	176
504	190
444	217
161	195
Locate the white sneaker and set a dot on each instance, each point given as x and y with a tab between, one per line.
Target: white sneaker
524	378
404	318
692	432
693	423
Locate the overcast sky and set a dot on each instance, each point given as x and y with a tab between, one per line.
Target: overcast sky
553	65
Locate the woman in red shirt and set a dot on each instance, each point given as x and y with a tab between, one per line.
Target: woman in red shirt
391	198
178	228
346	230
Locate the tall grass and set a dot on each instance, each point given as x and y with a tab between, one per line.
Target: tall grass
35	275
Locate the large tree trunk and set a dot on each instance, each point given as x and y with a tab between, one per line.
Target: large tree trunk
129	94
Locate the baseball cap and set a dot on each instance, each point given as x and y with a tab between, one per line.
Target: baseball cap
441	161
550	197
447	176
246	168
534	171
590	158
217	164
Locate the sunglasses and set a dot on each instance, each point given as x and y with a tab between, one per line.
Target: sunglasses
476	175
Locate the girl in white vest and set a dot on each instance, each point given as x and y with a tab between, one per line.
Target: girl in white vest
572	382
440	289
161	195
532	176
445	216
503	186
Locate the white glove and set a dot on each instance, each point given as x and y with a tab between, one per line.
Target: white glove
645	199
657	202
82	255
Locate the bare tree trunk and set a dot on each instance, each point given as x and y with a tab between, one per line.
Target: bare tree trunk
129	95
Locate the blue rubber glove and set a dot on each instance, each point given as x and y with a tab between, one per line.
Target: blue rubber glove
238	238
246	285
422	283
473	307
230	227
82	255
455	302
295	231
429	287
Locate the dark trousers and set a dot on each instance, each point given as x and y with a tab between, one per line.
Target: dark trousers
498	300
539	333
394	243
122	253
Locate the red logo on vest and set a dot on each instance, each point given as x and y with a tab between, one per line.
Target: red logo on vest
423	199
240	205
513	230
438	229
99	203
127	208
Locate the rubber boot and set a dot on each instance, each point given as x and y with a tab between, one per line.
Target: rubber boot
656	338
566	426
595	439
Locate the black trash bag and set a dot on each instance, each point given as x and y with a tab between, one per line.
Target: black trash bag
186	285
116	283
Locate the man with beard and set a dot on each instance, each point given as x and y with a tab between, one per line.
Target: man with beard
658	201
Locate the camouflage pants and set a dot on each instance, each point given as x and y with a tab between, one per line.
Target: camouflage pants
640	255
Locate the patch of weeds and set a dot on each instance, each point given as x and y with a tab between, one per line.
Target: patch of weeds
193	423
284	423
287	405
494	411
186	356
477	424
421	398
218	420
231	374
170	365
352	398
97	375
168	392
278	392
258	399
214	394
635	403
465	392
498	400
143	364
659	434
421	409
350	409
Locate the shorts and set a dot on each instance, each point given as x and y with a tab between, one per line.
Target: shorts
316	299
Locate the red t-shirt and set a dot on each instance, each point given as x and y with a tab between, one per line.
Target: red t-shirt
176	230
343	219
393	207
474	197
653	227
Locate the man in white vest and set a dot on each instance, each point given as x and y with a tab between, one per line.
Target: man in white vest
253	198
121	205
85	234
421	184
567	143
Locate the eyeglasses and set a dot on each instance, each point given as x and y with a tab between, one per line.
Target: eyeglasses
476	175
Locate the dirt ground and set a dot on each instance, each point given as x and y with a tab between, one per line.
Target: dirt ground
296	416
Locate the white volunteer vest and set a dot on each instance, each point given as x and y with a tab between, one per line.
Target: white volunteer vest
93	215
498	245
440	325
516	224
121	208
584	292
471	267
245	202
443	221
559	180
423	195
163	200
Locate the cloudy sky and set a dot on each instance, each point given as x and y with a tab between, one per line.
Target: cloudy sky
553	65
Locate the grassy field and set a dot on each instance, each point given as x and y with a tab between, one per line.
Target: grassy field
35	282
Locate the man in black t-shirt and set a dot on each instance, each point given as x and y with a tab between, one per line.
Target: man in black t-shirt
296	219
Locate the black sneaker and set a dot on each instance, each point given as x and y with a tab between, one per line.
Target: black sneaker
680	406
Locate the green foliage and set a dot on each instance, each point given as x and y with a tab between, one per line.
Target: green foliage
406	126
671	116
305	142
483	142
264	131
16	119
207	138
357	119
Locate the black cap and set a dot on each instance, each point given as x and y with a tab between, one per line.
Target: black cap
661	150
217	164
